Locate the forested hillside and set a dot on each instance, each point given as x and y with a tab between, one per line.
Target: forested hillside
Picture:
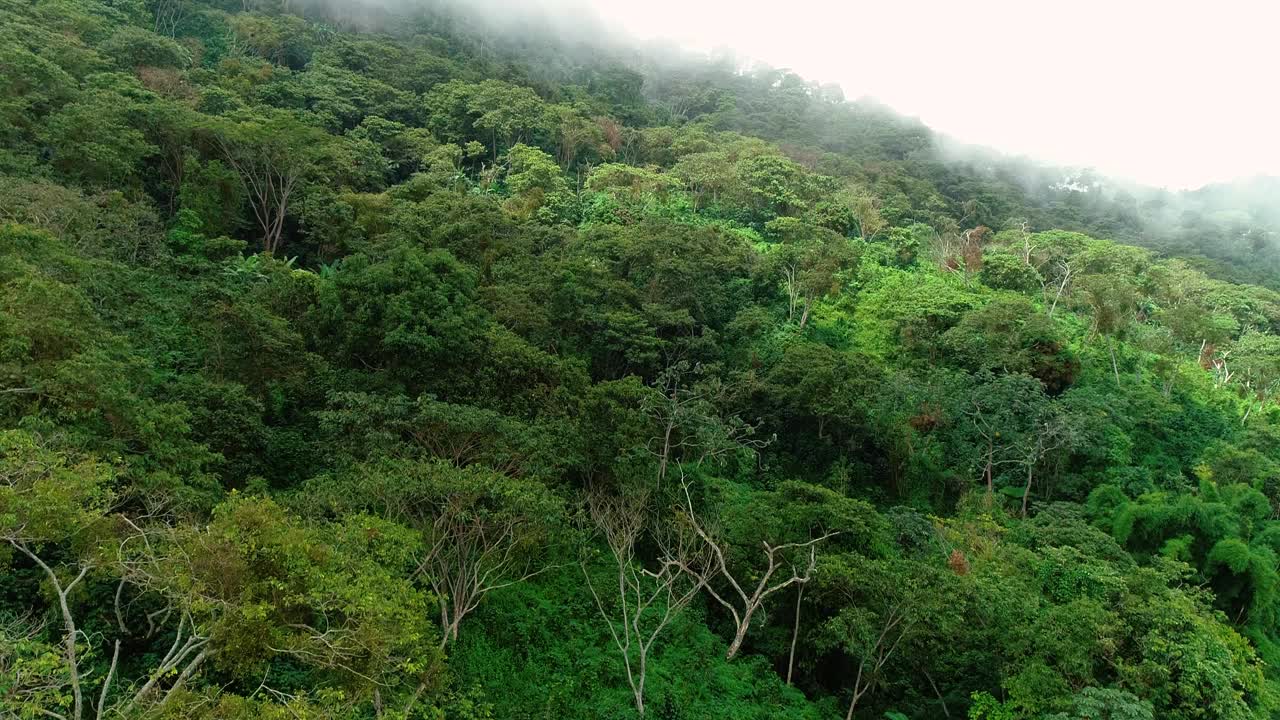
360	364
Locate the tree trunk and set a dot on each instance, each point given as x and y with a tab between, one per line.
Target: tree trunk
666	446
857	684
1026	491
68	621
989	471
1054	306
793	292
72	662
941	699
185	675
741	633
638	687
1111	348
106	684
795	634
444	621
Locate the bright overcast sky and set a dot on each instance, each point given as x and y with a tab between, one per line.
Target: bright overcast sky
1171	93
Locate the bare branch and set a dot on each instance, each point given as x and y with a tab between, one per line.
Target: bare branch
647	599
68	620
746	604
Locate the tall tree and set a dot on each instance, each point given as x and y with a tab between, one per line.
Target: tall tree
740	598
646	599
272	153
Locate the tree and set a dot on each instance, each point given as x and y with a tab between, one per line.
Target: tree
407	311
866	210
907	242
169	14
1255	362
1001	413
578	135
1112	301
490	110
1105	704
909	312
812	262
372	426
532	176
1052	432
774	185
881	606
690	426
51	502
1009	335
34	671
750	600
1006	271
814	381
630	182
48	500
133	47
1064	273
706	175
98	138
480	531
272	153
260	586
647	599
33	86
508	111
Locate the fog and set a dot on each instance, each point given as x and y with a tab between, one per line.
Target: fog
1173	95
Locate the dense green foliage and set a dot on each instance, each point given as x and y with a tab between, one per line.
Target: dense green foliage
435	372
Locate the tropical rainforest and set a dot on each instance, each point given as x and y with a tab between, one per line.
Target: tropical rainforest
372	362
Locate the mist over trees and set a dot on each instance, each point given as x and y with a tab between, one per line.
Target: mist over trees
406	362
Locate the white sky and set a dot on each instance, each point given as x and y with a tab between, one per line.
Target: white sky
1173	93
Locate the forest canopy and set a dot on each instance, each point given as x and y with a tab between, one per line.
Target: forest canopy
372	363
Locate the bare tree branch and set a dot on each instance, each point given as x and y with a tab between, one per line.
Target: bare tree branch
647	600
744	604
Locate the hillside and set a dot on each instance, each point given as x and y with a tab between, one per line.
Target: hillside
372	363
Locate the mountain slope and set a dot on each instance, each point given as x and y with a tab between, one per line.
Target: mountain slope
367	363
